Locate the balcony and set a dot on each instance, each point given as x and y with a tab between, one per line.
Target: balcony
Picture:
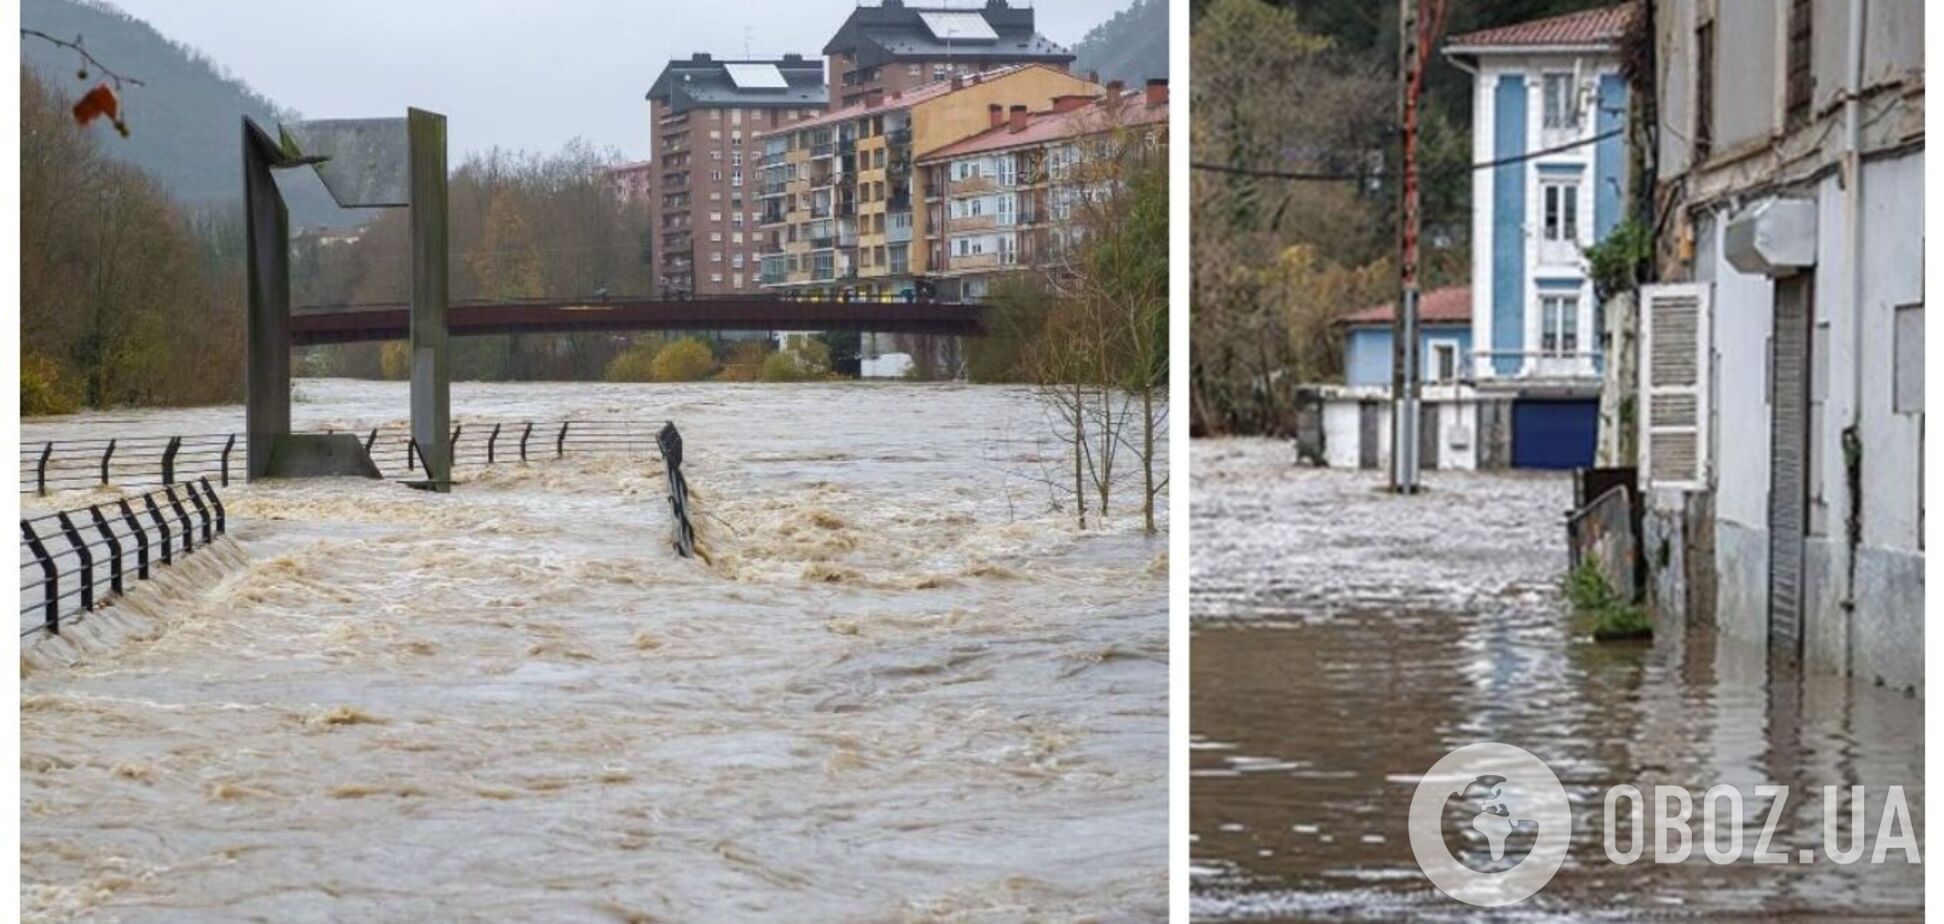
826	149
1525	369
898	137
972	223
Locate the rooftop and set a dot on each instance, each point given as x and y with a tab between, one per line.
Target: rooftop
1090	118
1449	305
892	31
904	100
1598	27
702	81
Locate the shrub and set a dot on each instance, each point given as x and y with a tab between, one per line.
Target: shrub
42	390
395	360
688	360
1613	616
744	362
634	364
804	360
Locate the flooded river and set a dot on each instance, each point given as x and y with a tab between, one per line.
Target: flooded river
1345	639
903	690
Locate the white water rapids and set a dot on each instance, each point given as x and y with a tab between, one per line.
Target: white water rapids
904	689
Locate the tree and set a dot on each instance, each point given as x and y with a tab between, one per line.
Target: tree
687	360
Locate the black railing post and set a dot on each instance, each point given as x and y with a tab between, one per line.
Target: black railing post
141	539
202	509
222	516
229	445
560	443
188	528
40	470
452	450
373	438
50	578
669	441
161	523
491	441
106	454
86	557
114	549
523	439
168	459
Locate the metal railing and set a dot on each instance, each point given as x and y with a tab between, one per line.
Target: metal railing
669	441
141	461
74	560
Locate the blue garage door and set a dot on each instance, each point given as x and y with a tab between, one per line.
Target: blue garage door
1554	434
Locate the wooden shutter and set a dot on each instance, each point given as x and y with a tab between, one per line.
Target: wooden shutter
1673	412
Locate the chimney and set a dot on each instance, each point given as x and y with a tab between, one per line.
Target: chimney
702	56
897	94
958	81
874	99
1114	87
1093	76
1067	102
996	115
1157	92
1018	120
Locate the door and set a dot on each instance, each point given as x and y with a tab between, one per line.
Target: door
1788	464
1558	434
1428	436
1368	424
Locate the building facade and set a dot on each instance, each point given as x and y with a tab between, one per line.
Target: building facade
1781	432
632	182
841	194
1549	107
705	116
1011	197
892	47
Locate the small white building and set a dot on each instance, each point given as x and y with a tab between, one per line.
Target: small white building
1781	408
1549	107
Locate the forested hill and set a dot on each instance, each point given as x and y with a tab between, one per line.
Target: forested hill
183	124
1131	47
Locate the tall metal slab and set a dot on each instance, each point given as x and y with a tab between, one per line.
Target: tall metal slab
266	383
431	381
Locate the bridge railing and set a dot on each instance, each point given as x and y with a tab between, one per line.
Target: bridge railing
73	561
141	461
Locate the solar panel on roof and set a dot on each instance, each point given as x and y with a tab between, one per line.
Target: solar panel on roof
959	27
756	76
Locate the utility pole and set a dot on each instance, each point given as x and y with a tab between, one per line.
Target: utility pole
1416	37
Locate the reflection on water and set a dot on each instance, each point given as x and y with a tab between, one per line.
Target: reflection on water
1345	640
903	691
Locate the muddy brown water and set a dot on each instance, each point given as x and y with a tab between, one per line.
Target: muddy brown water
1344	640
905	690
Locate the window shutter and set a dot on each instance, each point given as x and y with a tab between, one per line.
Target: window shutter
1674	385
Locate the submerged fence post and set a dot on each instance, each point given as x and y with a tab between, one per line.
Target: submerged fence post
168	460
141	539
217	502
523	439
560	443
491	441
202	510
114	549
50	578
86	558
411	454
669	441
229	445
40	470
161	523
106	454
188	529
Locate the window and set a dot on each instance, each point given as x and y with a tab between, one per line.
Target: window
915	69
1561	101
1674	379
1907	335
735	158
736	260
1008	170
1559	325
739	280
735	177
1444	362
737	219
1006	209
715	237
715	256
1561	201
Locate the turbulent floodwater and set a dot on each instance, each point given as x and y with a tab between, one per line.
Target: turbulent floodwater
1345	639
903	690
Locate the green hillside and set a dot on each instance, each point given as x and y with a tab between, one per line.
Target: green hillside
1131	47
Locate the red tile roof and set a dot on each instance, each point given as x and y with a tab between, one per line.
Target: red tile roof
1050	125
1600	26
1449	305
904	100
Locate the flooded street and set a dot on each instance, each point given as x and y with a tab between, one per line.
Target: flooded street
902	690
1344	640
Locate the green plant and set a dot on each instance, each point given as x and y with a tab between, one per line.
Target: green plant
1617	263
688	360
804	360
42	390
1612	615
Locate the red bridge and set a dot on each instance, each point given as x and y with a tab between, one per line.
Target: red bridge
355	323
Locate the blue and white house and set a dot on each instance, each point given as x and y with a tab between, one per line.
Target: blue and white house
1549	108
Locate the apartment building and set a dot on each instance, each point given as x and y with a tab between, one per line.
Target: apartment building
838	193
705	115
892	47
1010	197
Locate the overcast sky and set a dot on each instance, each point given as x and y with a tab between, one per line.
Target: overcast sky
519	74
